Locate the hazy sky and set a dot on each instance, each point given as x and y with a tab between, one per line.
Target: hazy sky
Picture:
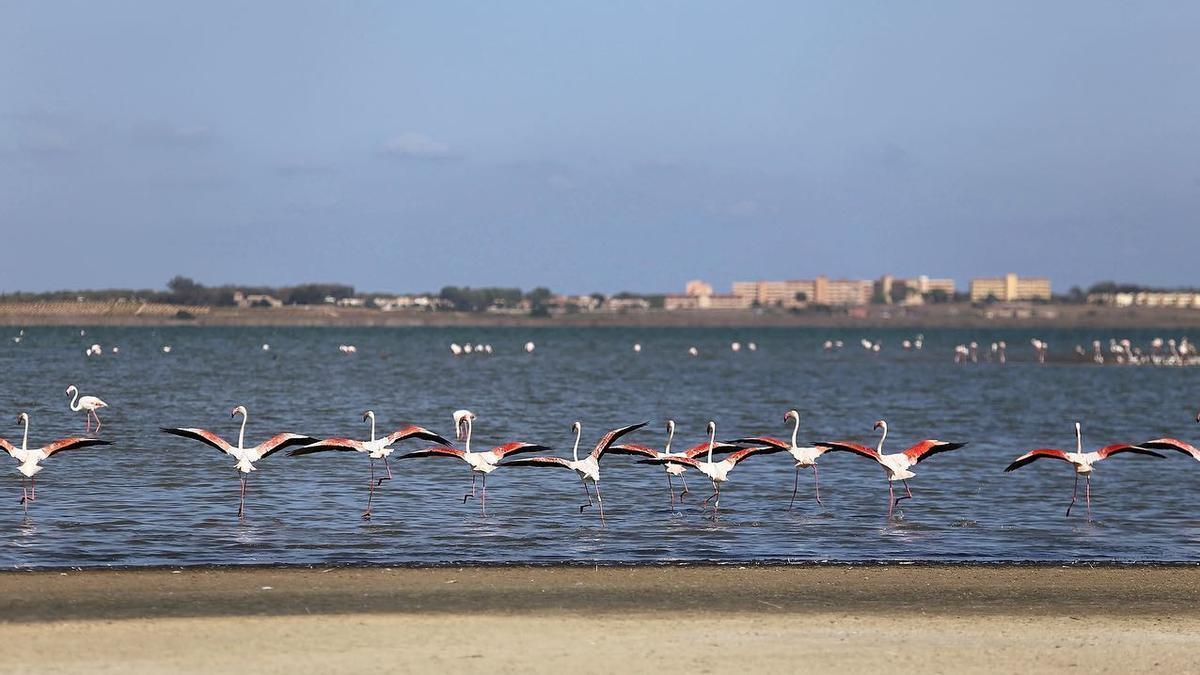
596	145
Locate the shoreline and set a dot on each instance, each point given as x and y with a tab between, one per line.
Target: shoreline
272	591
931	618
876	316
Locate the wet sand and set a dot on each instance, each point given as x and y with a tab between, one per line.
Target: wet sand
522	619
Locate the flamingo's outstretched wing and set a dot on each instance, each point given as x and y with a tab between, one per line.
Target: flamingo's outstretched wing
203	435
847	446
516	448
1172	444
413	431
539	461
6	446
435	451
701	449
611	437
72	443
1034	455
672	459
1118	448
280	441
928	448
325	445
633	449
763	440
746	453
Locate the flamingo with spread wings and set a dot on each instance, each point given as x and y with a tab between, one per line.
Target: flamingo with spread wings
30	457
895	465
376	448
481	463
804	456
245	456
1083	462
588	468
717	472
1174	444
672	468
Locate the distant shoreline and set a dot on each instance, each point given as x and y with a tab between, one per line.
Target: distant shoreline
875	316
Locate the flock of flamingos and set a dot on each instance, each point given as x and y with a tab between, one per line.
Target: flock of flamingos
712	458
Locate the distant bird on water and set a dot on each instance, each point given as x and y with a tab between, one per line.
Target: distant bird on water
895	465
90	404
1083	462
481	463
374	449
29	457
588	468
245	456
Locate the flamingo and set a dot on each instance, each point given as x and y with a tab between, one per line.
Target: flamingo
672	469
717	472
806	456
1082	461
895	465
1173	444
481	463
374	449
245	456
588	468
88	403
29	457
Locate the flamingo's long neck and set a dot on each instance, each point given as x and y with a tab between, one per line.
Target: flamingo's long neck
879	448
795	431
712	440
75	407
25	438
1078	439
372	428
242	433
468	434
670	436
578	435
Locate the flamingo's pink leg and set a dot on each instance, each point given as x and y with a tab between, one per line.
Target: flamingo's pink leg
97	416
1087	494
685	487
600	501
671	490
483	498
471	494
589	495
795	487
817	483
242	498
1074	494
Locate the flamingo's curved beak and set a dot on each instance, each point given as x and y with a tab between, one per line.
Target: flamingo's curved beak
366	415
878	424
233	413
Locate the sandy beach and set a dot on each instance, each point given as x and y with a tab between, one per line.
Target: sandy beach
586	619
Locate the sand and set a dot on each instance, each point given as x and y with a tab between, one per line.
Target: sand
608	619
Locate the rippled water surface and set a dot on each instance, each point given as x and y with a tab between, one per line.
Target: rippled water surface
151	499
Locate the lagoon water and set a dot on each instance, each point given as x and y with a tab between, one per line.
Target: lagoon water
152	499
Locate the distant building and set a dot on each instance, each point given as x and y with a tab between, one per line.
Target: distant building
841	292
795	293
254	300
1010	288
912	291
699	295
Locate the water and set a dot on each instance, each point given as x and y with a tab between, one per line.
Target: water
153	499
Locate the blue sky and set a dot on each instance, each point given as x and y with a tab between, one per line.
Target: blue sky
596	146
